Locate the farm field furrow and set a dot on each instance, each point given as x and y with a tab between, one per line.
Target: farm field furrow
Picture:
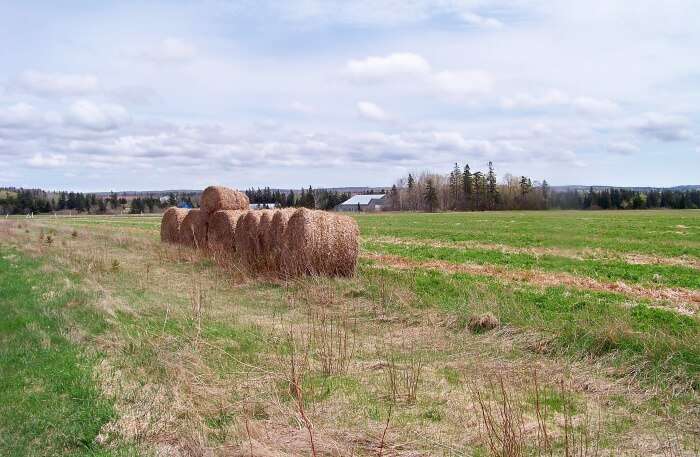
611	271
662	233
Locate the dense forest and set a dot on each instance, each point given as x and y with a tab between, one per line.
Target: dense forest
307	198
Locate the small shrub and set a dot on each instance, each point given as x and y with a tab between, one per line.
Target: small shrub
115	265
49	240
74	234
403	379
483	323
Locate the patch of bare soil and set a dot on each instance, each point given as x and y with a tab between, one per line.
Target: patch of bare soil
683	301
576	254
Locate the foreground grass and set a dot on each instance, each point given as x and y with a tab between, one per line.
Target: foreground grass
50	403
660	346
198	357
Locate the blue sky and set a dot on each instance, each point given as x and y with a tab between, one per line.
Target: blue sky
155	95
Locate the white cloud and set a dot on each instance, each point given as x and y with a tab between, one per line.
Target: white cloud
662	127
557	98
40	160
18	115
464	82
477	20
404	67
590	105
455	141
171	50
371	111
302	108
85	113
58	83
525	100
25	116
390	67
623	147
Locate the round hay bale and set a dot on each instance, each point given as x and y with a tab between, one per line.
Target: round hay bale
170	224
246	242
321	243
193	231
264	238
277	238
221	231
216	198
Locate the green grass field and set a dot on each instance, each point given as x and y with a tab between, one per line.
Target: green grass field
155	348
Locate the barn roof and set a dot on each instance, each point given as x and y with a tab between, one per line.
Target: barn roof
362	199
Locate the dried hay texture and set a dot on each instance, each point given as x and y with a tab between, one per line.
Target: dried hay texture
221	231
321	243
277	239
193	231
170	224
265	240
483	323
217	198
247	242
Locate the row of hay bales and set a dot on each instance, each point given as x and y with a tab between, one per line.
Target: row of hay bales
285	242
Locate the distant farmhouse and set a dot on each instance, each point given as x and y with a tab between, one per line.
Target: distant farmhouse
262	206
363	203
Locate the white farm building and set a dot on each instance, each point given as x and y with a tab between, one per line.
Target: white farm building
373	202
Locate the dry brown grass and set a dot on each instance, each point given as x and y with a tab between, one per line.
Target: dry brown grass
181	391
685	301
577	254
483	323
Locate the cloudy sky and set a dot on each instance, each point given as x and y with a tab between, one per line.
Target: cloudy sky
159	95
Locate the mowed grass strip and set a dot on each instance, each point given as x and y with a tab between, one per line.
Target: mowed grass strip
658	346
50	403
606	270
664	233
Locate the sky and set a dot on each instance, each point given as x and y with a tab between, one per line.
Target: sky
98	96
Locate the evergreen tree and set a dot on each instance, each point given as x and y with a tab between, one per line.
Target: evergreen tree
468	184
456	186
430	196
478	192
545	193
290	200
394	198
491	187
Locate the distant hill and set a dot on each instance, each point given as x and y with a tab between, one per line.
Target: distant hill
640	189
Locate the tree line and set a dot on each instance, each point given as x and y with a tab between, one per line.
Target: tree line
465	189
306	198
25	201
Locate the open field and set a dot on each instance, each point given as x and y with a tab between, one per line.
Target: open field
142	348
